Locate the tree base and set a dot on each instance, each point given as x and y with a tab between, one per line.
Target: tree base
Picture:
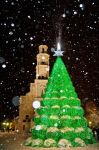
88	147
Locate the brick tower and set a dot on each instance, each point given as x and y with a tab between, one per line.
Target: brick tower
36	90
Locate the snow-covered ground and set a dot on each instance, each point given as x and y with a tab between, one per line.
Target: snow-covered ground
14	141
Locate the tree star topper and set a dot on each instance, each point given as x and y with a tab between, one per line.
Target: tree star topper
58	52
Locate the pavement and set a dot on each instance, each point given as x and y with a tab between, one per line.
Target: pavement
14	141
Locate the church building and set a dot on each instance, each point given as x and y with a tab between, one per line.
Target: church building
26	111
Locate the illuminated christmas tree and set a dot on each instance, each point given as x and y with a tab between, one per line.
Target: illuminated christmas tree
59	121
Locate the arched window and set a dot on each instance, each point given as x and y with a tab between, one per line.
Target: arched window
27	116
42	50
23	127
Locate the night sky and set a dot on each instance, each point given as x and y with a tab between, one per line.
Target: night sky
25	24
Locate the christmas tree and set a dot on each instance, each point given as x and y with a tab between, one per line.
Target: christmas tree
59	121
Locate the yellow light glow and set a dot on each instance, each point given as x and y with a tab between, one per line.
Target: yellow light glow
4	123
7	124
90	122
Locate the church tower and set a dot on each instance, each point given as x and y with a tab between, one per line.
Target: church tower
42	70
37	88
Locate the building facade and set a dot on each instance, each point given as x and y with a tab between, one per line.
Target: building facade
26	111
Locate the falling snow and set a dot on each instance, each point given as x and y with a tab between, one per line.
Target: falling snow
27	24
